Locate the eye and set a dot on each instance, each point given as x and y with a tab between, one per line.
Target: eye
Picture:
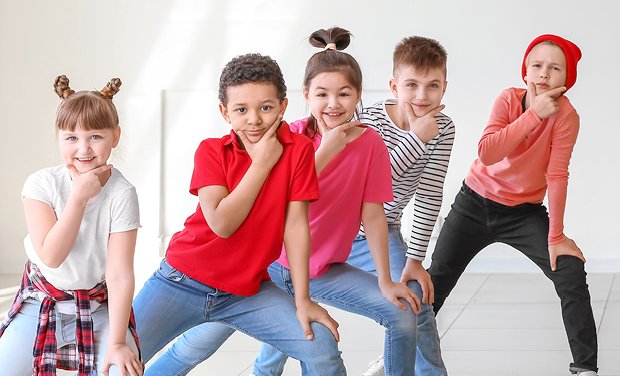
434	86
240	110
411	85
71	138
266	107
345	94
96	137
321	95
536	65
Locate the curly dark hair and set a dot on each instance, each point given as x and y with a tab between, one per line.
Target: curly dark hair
251	68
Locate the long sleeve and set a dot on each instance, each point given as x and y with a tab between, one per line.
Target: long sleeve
501	135
429	194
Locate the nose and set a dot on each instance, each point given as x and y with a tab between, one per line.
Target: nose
333	101
544	73
421	93
84	146
254	118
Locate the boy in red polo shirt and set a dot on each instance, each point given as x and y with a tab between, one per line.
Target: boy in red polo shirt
253	186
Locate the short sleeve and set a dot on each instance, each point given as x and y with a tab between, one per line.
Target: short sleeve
379	178
208	166
304	184
37	186
125	212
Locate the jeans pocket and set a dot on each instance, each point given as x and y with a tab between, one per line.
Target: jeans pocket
170	273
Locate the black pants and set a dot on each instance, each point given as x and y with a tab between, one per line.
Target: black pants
475	222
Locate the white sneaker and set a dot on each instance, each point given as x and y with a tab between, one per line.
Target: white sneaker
375	368
587	373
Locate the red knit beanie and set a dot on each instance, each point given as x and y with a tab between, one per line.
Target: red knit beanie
571	52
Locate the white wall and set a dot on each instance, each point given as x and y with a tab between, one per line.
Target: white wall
169	55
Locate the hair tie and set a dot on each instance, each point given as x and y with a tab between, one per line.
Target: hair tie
330	46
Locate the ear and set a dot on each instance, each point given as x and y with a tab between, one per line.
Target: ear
116	136
445	86
224	112
394	88
306	94
283	106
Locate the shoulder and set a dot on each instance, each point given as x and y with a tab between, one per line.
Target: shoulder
119	180
374	113
512	93
444	122
50	175
567	114
372	139
299	126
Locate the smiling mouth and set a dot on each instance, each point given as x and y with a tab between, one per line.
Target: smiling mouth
85	159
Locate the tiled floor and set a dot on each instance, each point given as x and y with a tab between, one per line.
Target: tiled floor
492	325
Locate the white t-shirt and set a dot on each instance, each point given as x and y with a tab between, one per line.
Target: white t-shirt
114	209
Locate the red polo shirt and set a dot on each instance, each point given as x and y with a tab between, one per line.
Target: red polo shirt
238	264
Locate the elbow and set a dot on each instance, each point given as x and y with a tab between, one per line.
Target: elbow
50	262
486	159
222	231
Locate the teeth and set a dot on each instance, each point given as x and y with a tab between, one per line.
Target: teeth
85	159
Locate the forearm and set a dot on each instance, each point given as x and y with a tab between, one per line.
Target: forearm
120	295
61	237
230	212
499	140
322	158
297	244
405	154
375	227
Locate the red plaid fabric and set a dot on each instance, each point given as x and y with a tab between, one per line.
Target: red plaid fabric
74	357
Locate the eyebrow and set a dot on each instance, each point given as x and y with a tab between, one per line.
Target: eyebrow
344	87
266	101
416	81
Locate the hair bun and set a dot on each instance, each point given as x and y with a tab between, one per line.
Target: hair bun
61	87
111	88
336	36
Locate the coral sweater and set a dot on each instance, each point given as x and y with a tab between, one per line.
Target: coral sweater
521	157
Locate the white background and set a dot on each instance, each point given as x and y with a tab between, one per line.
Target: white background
169	55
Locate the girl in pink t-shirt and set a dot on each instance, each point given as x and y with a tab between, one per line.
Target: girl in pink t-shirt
353	167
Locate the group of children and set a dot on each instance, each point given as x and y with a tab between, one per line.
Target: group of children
294	214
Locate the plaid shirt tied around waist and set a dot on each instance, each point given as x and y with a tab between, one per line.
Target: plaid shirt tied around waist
79	356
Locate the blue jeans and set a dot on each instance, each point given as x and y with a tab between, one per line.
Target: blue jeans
428	354
18	340
351	289
475	222
170	303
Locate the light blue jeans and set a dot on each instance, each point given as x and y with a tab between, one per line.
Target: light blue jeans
170	303
18	339
351	289
428	354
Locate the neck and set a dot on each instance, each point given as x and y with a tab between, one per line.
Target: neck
397	116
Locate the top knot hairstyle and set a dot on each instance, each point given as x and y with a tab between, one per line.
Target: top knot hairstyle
331	59
251	68
86	109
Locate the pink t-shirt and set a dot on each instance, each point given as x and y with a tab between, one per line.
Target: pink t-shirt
521	157
359	173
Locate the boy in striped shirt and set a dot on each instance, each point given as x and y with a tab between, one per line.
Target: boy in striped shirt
419	139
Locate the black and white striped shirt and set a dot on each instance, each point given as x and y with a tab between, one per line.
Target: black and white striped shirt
416	169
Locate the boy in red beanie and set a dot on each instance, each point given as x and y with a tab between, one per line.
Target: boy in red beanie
524	153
